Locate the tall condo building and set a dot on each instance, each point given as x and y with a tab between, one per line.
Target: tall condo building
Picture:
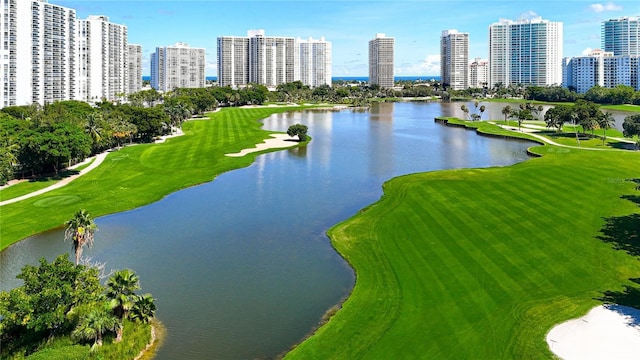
178	66
479	73
233	61
454	59
621	36
315	62
135	68
527	51
103	59
381	61
272	61
38	53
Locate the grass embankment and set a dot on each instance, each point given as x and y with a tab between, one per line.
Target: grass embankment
481	263
141	174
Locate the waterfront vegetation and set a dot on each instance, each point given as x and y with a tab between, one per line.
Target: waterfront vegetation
62	312
481	263
138	175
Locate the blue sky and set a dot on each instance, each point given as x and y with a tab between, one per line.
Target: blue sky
349	25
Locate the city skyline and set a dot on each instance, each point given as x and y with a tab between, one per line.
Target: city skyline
349	25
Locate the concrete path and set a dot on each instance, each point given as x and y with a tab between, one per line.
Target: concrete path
98	159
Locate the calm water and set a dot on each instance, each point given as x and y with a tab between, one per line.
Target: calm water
241	266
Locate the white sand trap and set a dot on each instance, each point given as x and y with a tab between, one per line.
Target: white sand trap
606	332
278	141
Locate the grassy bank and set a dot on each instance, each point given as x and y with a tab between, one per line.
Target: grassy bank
141	174
481	263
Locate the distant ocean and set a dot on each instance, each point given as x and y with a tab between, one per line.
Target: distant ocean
346	78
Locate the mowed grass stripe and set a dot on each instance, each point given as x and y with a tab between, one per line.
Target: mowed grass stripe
549	266
138	175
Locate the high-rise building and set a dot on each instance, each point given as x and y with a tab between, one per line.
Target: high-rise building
103	59
479	73
381	61
315	62
38	52
135	68
621	36
233	61
454	59
601	68
178	66
526	51
272	61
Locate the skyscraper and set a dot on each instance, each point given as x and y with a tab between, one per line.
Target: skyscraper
479	73
233	61
178	66
135	68
381	61
271	61
103	65
526	51
38	53
621	36
454	59
315	62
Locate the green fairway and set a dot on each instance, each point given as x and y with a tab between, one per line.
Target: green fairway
141	174
481	263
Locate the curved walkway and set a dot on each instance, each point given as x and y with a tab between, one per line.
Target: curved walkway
98	159
532	132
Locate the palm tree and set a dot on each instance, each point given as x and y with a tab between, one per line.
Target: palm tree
605	121
482	109
92	127
120	288
465	109
94	325
80	230
506	111
144	308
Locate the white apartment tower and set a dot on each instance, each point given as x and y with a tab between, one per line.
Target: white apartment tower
479	73
381	61
272	61
233	61
315	62
135	68
103	53
178	66
38	53
526	51
603	69
454	59
621	36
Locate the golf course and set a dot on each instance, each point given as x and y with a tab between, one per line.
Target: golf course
454	264
482	263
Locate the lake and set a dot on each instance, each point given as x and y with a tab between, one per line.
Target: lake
241	267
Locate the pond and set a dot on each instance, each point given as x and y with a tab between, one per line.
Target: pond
241	267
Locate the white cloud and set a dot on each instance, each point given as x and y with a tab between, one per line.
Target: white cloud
528	15
605	7
429	66
587	51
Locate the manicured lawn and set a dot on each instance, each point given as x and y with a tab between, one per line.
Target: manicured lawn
141	174
481	263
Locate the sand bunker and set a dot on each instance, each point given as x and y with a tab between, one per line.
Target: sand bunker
278	141
606	332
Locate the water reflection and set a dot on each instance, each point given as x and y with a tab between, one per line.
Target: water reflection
241	266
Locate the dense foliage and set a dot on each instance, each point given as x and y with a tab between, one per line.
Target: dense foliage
61	300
